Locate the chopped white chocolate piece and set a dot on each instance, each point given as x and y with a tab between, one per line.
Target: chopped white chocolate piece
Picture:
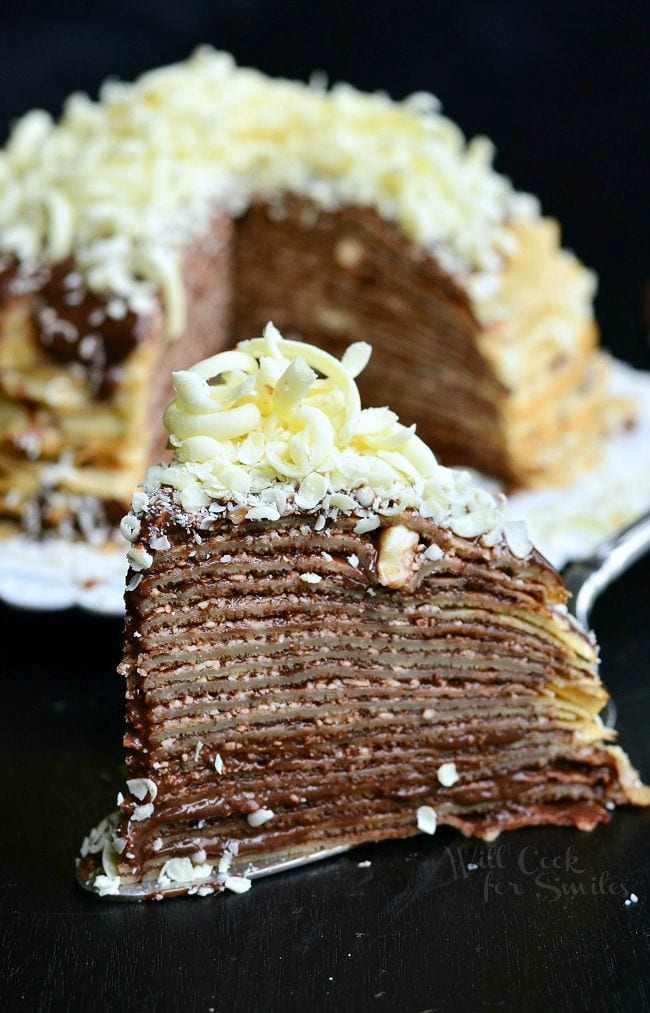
130	527
396	555
141	786
107	886
225	862
218	763
182	870
139	559
516	536
474	522
311	578
349	252
139	501
366	524
159	543
142	812
427	819
100	836
259	817
263	513
447	774
238	884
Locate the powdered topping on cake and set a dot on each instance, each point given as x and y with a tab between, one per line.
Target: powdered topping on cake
276	427
120	184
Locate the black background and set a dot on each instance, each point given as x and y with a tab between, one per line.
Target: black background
563	91
562	88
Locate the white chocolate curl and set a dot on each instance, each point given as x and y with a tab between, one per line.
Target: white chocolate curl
277	425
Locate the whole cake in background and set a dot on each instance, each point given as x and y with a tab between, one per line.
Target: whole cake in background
180	213
332	639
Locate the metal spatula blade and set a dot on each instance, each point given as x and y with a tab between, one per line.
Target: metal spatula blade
587	578
250	867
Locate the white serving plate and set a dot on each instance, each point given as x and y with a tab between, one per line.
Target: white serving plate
569	523
566	524
56	574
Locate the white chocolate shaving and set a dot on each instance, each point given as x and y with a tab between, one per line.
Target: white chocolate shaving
299	440
356	357
109	864
122	183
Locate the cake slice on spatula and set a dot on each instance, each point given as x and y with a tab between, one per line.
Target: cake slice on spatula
331	639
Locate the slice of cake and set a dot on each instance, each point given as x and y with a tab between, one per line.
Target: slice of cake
332	639
140	230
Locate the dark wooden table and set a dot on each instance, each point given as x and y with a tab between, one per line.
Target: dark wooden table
541	923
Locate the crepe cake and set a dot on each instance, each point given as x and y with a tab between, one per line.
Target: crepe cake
332	639
146	230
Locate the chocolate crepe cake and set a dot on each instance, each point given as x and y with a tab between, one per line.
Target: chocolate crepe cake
143	231
332	639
